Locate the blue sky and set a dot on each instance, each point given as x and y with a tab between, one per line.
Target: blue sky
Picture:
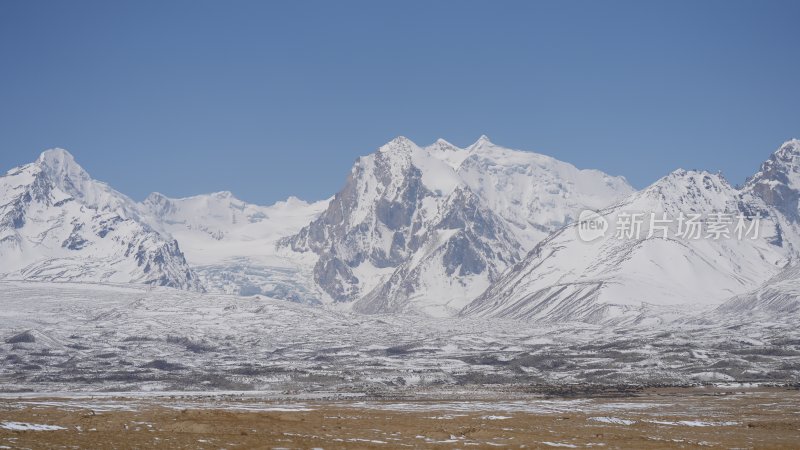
271	99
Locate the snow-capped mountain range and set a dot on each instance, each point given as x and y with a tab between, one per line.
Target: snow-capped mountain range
565	278
481	231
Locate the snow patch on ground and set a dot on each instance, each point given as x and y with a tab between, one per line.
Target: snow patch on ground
23	426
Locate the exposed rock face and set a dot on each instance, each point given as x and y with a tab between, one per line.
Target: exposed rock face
377	221
461	254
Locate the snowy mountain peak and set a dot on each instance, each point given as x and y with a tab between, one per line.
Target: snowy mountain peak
789	149
778	180
155	197
682	178
445	144
447	152
400	143
297	202
56	157
60	165
57	223
687	191
482	142
224	195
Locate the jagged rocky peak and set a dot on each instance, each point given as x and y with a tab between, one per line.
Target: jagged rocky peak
701	192
63	170
682	177
482	141
224	195
429	228
159	204
59	224
789	151
379	219
447	152
371	221
400	143
778	180
691	191
443	144
54	168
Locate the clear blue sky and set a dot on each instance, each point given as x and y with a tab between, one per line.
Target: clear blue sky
271	99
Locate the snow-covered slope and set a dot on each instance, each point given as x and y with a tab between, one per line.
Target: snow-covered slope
57	223
778	296
565	278
534	193
231	243
427	229
61	337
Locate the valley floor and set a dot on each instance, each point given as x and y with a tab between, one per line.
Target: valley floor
101	366
656	418
81	337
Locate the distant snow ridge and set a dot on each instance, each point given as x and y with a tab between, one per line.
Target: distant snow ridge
616	280
231	244
428	229
58	224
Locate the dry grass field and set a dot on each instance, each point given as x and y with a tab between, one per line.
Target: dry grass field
679	418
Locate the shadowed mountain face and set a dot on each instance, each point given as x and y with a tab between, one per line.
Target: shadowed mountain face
57	223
